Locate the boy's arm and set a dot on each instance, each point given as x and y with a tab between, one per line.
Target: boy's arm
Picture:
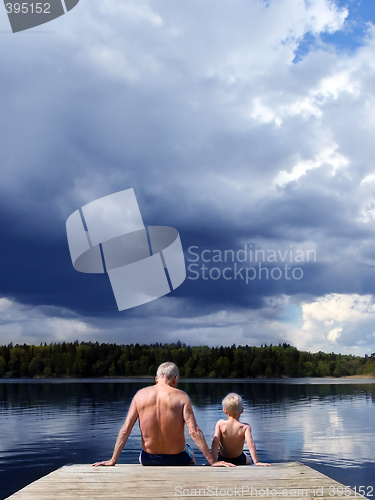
251	446
216	441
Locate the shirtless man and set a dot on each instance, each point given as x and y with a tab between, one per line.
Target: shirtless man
163	410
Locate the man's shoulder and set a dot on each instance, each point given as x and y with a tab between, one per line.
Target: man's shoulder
181	394
145	389
144	392
180	391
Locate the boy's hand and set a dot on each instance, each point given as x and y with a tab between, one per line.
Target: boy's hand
262	464
222	464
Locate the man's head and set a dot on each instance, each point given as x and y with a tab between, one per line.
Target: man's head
169	372
233	404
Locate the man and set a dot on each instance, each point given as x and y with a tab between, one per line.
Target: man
163	410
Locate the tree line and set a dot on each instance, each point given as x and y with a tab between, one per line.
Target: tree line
89	359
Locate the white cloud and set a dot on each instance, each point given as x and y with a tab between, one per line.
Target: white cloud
20	324
25	324
330	158
139	10
337	322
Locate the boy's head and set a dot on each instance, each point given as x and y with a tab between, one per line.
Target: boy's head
233	404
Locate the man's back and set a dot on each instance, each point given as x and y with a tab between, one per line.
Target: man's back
161	418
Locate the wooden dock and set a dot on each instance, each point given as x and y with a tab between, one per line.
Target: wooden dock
282	480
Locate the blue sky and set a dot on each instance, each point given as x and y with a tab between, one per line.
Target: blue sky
351	35
237	125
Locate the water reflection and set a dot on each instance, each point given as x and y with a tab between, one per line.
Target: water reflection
46	425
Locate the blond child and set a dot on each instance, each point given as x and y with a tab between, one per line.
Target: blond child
230	435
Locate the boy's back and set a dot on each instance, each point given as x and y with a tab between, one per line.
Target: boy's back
231	434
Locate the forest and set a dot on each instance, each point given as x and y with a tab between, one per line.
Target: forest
88	359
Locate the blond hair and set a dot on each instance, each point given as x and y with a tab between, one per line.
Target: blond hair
168	370
233	403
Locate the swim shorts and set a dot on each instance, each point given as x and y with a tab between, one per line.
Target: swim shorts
241	460
183	458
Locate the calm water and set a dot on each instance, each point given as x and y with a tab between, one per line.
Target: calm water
329	426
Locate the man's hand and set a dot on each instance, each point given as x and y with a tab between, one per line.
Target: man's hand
105	462
222	464
261	464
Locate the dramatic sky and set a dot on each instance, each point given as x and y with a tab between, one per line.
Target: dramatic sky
244	124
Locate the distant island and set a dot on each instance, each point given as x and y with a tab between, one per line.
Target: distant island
89	359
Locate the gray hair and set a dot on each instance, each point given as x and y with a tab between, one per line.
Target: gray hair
233	403
168	370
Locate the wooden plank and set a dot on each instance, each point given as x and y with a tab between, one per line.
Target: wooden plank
289	481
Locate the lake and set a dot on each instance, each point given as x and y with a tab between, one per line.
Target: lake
326	424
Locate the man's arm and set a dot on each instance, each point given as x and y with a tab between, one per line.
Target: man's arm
251	446
216	441
123	435
198	436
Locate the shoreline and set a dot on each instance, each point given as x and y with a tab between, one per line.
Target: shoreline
140	379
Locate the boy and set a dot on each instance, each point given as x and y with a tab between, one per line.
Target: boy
230	435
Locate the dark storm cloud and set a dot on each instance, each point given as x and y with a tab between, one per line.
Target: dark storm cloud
202	119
